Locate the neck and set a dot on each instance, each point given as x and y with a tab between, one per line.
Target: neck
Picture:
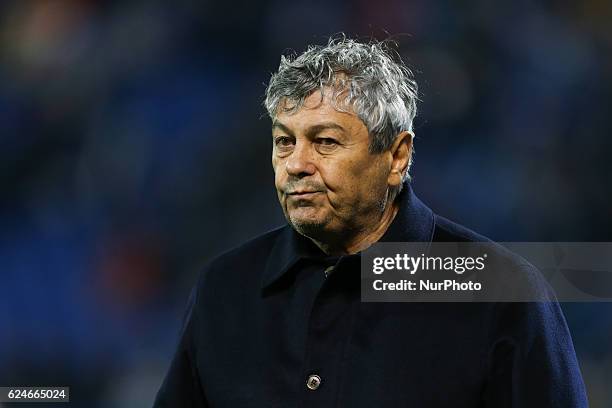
363	238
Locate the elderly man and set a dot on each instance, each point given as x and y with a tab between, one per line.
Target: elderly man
278	322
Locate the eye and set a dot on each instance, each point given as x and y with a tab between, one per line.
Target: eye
327	141
284	144
326	144
283	141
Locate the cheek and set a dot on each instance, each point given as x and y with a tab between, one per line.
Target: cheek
342	180
358	171
336	172
376	175
365	178
278	173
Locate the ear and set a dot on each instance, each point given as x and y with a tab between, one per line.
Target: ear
401	152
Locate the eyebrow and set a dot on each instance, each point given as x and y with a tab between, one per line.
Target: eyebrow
311	131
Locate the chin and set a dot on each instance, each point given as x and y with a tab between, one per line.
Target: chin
308	226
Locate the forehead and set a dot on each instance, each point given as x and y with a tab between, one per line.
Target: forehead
316	110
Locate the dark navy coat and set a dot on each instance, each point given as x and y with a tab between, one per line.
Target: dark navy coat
266	327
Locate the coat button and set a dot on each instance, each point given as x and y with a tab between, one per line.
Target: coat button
314	381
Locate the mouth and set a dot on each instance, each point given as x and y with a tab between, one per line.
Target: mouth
303	194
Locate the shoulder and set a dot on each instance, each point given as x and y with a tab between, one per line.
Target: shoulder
446	230
253	250
523	304
506	269
238	269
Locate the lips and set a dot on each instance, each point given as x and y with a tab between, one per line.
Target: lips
303	194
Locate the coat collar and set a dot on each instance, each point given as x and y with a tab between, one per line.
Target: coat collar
414	222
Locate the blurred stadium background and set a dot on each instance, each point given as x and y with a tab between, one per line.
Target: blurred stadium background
134	147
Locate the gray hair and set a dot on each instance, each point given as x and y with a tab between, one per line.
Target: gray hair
381	91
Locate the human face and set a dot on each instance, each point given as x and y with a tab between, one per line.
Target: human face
328	183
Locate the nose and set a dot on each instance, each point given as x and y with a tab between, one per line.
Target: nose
300	163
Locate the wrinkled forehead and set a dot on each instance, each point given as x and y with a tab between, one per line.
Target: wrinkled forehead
336	97
318	112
